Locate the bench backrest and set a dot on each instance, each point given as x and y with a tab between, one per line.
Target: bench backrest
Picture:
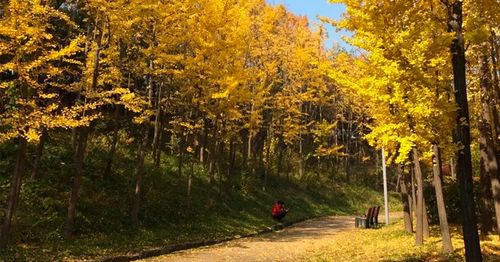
369	215
375	215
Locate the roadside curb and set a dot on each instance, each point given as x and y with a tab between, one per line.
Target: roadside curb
189	245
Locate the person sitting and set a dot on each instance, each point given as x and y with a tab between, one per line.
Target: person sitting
279	211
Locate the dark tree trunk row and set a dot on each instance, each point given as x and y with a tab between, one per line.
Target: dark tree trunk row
486	141
139	177
38	154
15	188
114	143
81	135
79	158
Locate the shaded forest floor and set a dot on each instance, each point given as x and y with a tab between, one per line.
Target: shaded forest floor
225	208
241	214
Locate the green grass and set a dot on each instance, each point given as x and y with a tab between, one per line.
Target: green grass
231	215
103	211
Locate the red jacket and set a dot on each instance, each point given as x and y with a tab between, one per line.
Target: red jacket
277	209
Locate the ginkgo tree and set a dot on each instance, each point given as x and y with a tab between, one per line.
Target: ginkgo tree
405	83
482	39
34	65
414	87
240	88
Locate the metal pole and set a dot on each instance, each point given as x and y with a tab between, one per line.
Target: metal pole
386	204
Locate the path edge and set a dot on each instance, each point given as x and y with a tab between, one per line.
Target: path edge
164	250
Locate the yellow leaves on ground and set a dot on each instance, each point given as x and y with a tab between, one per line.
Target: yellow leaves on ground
393	244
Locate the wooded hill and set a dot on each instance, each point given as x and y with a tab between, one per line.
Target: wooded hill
234	90
243	90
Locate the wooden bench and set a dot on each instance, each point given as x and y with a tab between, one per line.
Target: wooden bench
374	222
370	219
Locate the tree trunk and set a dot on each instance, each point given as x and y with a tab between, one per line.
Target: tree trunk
348	146
495	94
287	168
413	193
280	149
157	129
453	169
426	220
211	178
377	169
268	158
398	181
181	157
114	144
249	148
495	73
486	141
486	222
15	189
159	148
301	160
244	151
221	163
230	167
420	198
38	154
75	192
81	134
204	142
189	184
74	138
469	224
405	200
139	177
443	220
211	167
262	170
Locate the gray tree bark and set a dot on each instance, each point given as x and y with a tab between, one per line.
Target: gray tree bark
443	220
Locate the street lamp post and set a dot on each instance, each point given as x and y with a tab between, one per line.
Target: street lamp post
384	172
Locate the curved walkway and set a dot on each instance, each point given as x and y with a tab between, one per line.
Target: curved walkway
291	244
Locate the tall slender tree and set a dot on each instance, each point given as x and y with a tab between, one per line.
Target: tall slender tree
464	162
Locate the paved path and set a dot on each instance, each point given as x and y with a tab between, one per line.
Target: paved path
291	244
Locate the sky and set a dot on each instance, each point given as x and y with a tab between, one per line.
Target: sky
313	8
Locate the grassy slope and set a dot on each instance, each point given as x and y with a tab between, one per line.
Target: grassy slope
103	212
168	224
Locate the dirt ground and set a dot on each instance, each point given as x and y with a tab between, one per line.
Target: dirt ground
294	243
